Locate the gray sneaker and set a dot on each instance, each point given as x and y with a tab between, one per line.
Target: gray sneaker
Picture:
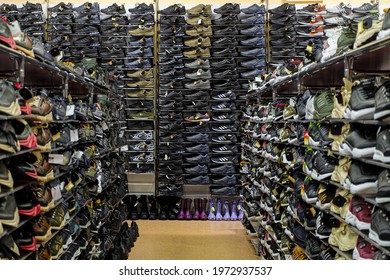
200	74
199	138
199	159
198	63
383	194
199	169
199	180
199	84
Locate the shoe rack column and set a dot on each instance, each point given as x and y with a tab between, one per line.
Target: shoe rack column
139	88
170	116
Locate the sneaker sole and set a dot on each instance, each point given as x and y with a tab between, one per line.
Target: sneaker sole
47	208
12	110
60	251
362	153
367	113
28	52
48	177
379	156
44	237
382	200
353	220
14	222
46	147
369	188
9	182
374	236
60	226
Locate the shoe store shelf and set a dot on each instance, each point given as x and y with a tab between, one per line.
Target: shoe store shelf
370	58
34	70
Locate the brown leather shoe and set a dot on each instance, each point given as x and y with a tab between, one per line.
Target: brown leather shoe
44	137
42	229
44	196
41	107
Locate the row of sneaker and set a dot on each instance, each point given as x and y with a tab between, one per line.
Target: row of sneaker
173	207
290	206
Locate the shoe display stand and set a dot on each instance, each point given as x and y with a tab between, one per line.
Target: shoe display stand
199	109
63	195
304	190
32	19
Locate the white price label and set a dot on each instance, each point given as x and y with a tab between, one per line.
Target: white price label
258	79
104	126
124	148
78	154
70	110
74	135
56	159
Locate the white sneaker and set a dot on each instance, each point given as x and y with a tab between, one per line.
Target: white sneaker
330	46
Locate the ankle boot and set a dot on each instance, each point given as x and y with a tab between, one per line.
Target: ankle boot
203	204
226	216
144	207
233	217
218	215
212	209
240	211
196	215
153	207
174	207
163	205
133	208
188	215
181	213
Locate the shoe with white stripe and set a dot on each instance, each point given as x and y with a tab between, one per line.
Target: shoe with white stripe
223	127
224	117
225	149
143	135
222	160
226	96
224	107
225	138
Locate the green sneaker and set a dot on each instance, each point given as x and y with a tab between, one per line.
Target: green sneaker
202	52
205	20
365	33
200	9
198	42
141	93
289	112
142	31
57	217
200	30
346	41
144	74
147	115
323	105
142	84
55	246
284	134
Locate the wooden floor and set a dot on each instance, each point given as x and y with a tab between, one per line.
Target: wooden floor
192	240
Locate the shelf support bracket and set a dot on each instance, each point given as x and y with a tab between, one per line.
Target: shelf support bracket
66	86
91	92
274	94
21	71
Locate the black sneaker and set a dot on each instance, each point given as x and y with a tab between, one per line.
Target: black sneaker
254	19
226	42
228	74
224	117
283	9
256	41
382	150
114	9
359	144
224	63
254	9
224	160
228	180
380	228
253	31
175	9
229	30
224	128
362	178
225	149
200	138
231	138
224	96
199	159
226	20
383	195
228	9
198	169
61	8
87	7
382	104
224	107
199	148
172	20
224	169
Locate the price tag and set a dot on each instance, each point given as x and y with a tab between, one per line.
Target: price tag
56	136
78	154
124	148
56	159
104	126
69	186
74	135
258	79
61	186
70	110
121	133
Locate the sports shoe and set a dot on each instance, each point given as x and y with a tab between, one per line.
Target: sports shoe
198	180
224	160
283	9
198	42
199	84
141	9
228	138
359	214
198	63
9	214
175	9
228	180
362	179
142	31
200	9
199	159
199	169
198	118
199	30
381	152
380	228
345	41
224	149
313	9
143	115
228	8
254	9
343	238
200	138
385	27
363	250
383	194
200	74
366	8
365	33
325	195
224	169
382	95
9	102
359	144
